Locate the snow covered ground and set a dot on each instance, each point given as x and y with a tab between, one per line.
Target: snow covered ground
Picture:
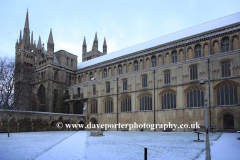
226	147
116	145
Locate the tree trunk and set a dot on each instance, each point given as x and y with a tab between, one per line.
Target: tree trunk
8	129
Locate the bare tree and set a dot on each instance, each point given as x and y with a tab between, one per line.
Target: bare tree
14	81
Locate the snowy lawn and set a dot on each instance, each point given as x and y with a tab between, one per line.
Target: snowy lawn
125	145
116	145
29	145
226	147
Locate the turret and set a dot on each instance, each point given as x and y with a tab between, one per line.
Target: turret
104	46
95	43
84	46
50	44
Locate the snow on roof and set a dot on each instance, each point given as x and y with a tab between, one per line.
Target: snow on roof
55	59
211	25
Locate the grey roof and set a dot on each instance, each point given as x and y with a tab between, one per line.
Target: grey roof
211	25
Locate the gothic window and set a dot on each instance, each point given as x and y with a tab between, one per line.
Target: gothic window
105	73
79	79
126	105
226	69
198	51
144	81
109	106
125	84
79	92
67	96
71	63
107	87
167	77
227	94
146	102
135	65
195	97
55	75
154	63
55	97
174	56
41	94
225	44
94	89
42	55
168	100
94	106
69	79
120	69
193	72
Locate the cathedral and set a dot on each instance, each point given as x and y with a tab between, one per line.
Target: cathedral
154	82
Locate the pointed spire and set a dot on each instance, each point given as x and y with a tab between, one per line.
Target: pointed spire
26	33
50	38
26	21
84	42
104	46
32	38
95	43
20	37
96	40
104	43
39	46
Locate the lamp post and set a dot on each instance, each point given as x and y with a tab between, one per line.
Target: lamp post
208	151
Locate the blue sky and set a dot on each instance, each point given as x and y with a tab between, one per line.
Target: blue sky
123	22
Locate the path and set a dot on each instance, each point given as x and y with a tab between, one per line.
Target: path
71	148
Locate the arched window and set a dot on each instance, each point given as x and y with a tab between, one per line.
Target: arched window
225	44
227	94
109	106
144	81
226	69
41	94
167	77
174	56
94	89
198	51
94	106
69	80
168	100
104	73
42	55
146	102
124	84
193	72
154	64
41	98
67	96
120	69
107	87
79	92
135	65
55	75
195	97
126	104
55	97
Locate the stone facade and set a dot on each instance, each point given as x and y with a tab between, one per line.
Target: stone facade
157	85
